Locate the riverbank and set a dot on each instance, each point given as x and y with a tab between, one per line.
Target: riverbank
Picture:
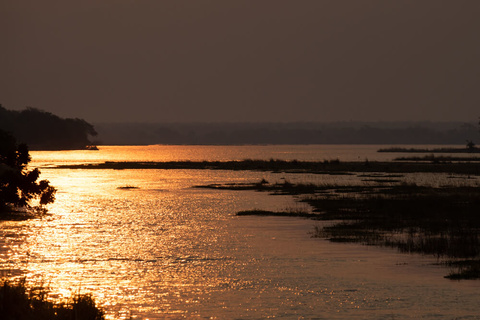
17	301
435	150
294	166
439	159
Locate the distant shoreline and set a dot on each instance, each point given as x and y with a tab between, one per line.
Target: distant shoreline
319	167
437	150
89	147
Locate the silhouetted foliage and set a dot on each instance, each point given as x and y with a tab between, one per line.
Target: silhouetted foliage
19	302
45	131
18	186
470	145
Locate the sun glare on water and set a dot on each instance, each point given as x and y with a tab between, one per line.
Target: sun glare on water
148	244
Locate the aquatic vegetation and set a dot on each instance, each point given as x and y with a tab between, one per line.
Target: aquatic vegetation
437	159
287	213
127	187
469	149
333	167
443	222
285	188
464	269
17	301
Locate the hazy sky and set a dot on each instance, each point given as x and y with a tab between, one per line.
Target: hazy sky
260	60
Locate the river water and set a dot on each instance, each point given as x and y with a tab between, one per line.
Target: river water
167	250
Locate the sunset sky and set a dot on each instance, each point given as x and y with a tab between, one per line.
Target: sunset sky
272	60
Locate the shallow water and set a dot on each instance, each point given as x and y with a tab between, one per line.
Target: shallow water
167	250
226	153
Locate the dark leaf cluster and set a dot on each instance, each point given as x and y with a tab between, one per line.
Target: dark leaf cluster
18	186
19	302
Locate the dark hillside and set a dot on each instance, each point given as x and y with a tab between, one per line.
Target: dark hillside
388	133
43	130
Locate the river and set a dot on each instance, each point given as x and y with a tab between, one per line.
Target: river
162	249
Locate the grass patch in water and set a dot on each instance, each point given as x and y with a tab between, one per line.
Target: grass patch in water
436	150
438	159
334	167
288	188
289	213
443	222
127	187
465	269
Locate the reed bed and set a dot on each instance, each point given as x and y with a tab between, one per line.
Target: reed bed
335	167
439	221
19	302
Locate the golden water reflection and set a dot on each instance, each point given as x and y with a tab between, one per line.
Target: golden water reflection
157	247
159	153
166	250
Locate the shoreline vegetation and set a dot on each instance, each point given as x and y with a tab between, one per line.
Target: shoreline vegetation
19	185
439	221
437	159
335	167
17	301
436	150
42	130
442	222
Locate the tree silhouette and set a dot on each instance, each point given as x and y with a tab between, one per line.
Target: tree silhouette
43	130
470	145
18	186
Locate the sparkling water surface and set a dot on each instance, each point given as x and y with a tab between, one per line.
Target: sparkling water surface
167	250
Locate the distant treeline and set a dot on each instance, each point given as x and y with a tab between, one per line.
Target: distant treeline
455	133
42	130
